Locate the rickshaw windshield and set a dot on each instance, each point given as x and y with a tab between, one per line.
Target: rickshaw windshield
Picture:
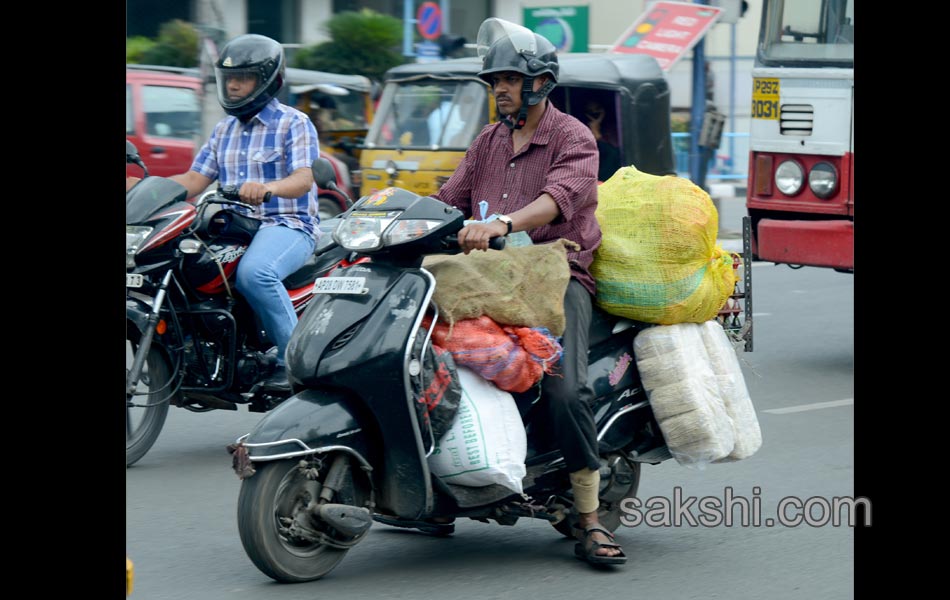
430	114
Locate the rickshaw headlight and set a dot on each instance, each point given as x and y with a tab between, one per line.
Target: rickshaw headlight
789	177
823	180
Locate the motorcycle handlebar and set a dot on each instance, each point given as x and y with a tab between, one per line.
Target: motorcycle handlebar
232	192
226	195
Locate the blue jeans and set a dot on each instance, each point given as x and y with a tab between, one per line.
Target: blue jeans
274	253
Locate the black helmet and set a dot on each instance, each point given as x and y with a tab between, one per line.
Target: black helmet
504	46
250	55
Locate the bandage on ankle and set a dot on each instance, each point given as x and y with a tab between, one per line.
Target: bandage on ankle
585	484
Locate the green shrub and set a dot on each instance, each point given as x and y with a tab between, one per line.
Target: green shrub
362	43
176	46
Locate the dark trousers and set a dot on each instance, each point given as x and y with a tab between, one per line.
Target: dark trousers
566	397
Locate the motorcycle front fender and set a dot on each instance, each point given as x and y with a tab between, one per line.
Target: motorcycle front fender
137	312
310	422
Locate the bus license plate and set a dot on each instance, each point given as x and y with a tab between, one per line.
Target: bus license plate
340	285
765	98
133	280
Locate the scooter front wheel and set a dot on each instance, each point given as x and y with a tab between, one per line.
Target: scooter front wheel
276	525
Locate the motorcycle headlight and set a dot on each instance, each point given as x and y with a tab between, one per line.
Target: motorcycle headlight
135	236
363	231
789	177
823	180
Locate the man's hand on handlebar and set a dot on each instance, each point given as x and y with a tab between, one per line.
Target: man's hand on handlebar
254	193
477	235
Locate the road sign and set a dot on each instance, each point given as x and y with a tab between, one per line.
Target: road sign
667	31
427	52
429	20
564	26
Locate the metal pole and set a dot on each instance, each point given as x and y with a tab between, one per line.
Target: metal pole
407	22
696	171
732	96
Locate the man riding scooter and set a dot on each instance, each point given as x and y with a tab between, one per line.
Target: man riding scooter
537	169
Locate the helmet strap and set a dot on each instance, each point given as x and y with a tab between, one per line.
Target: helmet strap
517	123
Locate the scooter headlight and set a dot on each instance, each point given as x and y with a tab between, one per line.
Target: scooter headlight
408	230
363	231
135	236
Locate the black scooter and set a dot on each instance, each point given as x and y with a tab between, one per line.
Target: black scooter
349	445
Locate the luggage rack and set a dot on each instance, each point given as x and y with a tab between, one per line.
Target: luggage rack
736	315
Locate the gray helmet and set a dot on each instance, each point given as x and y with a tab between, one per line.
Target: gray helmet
250	55
504	46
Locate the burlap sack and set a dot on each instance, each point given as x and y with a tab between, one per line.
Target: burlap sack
521	286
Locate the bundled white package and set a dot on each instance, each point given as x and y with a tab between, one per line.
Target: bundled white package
486	443
684	393
732	388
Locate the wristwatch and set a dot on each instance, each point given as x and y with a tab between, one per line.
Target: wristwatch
506	221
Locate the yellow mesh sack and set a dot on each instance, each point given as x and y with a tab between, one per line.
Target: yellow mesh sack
658	261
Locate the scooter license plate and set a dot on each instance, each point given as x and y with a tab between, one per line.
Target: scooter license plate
340	285
133	280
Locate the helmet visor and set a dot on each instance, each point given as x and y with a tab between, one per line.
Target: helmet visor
238	86
493	29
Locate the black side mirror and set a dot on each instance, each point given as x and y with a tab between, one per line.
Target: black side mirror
132	156
323	174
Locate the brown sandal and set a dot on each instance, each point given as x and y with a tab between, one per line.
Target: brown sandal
590	554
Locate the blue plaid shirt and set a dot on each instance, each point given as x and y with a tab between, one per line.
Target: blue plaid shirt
275	142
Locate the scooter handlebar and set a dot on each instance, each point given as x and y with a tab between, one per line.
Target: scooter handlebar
495	243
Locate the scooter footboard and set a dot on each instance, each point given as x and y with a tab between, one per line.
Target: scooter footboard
310	422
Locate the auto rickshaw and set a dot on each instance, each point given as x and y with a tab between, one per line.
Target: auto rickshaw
429	114
341	108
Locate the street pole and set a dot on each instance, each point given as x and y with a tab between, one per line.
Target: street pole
697	170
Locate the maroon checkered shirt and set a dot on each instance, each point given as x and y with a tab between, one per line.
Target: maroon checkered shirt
561	159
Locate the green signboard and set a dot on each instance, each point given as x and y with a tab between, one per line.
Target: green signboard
565	26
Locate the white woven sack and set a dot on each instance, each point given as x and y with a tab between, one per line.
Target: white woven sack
684	393
486	443
732	388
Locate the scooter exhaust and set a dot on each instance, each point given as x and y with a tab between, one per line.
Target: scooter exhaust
348	520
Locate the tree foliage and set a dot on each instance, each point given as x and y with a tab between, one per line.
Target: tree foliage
177	45
362	43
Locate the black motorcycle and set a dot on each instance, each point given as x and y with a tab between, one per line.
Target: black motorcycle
350	445
191	339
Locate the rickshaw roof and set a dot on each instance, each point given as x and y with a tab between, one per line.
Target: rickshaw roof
305	80
576	69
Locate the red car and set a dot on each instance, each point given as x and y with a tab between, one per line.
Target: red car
163	117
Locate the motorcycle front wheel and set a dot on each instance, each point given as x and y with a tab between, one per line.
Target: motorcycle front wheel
147	408
277	530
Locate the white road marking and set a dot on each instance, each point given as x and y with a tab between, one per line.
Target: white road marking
815	406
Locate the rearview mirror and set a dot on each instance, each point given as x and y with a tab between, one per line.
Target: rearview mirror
323	174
